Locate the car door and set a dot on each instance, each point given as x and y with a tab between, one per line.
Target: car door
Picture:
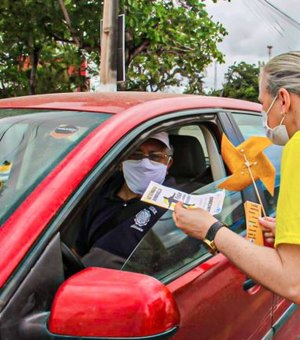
212	294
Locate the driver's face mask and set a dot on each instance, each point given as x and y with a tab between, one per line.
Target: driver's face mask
139	173
278	135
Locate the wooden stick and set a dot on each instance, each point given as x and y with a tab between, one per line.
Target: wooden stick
248	165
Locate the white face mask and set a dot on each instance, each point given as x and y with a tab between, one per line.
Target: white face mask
138	174
278	135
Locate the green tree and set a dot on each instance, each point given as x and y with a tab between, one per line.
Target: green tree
38	45
241	81
168	43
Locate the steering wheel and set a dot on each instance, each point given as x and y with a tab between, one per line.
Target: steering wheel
72	262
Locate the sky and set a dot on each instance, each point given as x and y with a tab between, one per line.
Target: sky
252	25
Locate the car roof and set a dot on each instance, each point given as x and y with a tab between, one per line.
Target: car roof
116	102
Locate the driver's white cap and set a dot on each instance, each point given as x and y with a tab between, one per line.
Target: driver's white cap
162	137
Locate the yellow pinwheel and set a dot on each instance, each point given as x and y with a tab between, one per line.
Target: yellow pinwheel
247	163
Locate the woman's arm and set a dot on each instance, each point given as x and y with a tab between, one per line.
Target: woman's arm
276	269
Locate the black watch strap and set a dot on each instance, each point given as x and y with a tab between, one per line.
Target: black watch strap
213	229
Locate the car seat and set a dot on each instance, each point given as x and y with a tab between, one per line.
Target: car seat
189	167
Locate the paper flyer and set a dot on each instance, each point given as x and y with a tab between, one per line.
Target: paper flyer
254	231
166	197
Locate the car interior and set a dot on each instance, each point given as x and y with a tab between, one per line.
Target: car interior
161	248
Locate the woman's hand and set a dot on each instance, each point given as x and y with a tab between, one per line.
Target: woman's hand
268	225
193	221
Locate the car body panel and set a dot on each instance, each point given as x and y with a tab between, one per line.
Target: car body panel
230	305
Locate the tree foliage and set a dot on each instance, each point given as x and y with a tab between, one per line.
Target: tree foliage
241	81
38	47
168	43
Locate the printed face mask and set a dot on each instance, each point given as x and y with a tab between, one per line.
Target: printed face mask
278	135
138	174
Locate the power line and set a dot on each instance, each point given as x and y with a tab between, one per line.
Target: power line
282	14
274	18
259	9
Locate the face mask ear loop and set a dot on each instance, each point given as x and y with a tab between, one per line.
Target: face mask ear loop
273	101
283	117
270	108
169	159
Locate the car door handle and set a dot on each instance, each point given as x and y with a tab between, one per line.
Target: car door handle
248	284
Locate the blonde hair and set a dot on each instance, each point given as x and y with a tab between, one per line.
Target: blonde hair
283	71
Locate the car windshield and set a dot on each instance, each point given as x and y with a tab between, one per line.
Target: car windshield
32	143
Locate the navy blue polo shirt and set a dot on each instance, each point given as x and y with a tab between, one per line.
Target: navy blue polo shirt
115	225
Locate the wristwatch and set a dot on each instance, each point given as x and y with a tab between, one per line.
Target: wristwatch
210	236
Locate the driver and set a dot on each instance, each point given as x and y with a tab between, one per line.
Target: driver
117	219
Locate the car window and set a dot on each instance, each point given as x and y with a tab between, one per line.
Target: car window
32	143
166	250
251	125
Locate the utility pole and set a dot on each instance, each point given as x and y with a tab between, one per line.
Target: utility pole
215	75
108	66
269	51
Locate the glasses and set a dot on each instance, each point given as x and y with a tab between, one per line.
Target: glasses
152	156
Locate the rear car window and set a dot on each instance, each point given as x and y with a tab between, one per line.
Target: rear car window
252	125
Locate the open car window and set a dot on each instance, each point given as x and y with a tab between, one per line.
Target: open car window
166	250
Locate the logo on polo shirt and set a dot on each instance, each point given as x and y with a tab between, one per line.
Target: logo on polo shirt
141	219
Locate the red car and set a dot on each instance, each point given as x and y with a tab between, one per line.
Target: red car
56	152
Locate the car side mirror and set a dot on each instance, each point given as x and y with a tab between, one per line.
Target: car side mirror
99	302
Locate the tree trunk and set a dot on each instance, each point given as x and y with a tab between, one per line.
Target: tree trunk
35	56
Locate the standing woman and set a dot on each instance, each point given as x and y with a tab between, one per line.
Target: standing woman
278	268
